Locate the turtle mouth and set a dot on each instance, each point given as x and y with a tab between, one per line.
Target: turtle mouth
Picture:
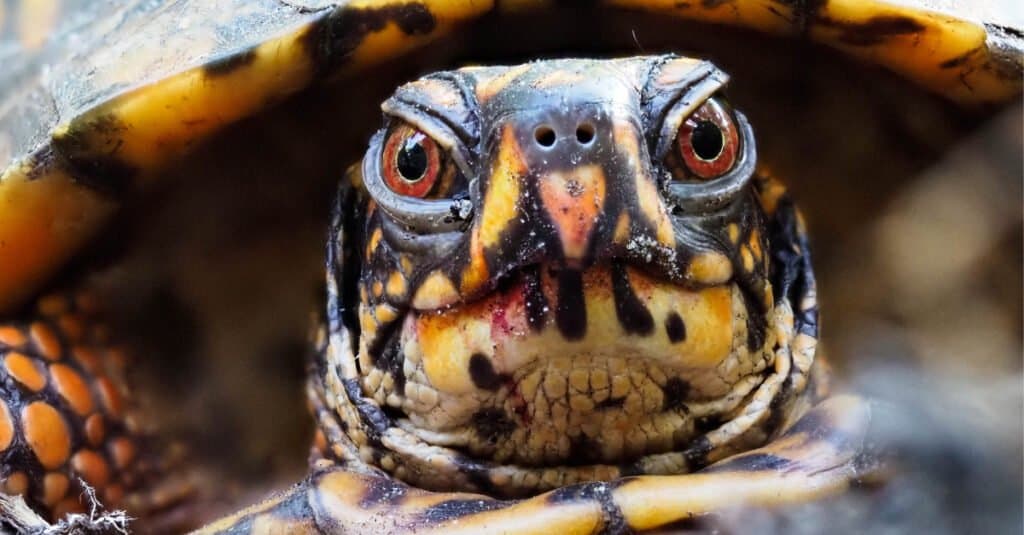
558	366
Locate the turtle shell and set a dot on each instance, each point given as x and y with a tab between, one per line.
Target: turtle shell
102	96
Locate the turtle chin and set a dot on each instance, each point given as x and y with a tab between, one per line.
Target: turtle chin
560	366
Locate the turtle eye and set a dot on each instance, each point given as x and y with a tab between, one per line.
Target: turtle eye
707	142
412	162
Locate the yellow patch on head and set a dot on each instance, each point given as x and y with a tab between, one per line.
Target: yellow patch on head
502	198
709	268
385	313
755	244
396	284
371	245
436	291
486	89
748	259
734	232
447	342
647	196
476	272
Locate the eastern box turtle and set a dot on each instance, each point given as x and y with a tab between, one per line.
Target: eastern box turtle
561	296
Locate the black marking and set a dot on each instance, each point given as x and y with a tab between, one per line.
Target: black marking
385	333
392	360
454	509
583	450
534	300
492	424
631	469
675	328
791	270
631	311
959	60
597	492
89	149
757	321
377	422
571	313
227	64
332	40
40	161
611	403
873	31
383	491
481	371
707	423
804	11
697	454
753	462
676	391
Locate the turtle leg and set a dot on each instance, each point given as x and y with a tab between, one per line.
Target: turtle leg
66	419
815	457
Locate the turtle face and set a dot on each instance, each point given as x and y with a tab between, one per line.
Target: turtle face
563	275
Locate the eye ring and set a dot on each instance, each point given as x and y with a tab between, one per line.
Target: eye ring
707	142
411	162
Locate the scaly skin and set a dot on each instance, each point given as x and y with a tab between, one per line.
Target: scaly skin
612	376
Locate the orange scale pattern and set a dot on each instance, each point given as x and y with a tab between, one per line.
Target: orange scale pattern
64	409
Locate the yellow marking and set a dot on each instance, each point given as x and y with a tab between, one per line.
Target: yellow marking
770	192
648	198
447	341
486	89
378	288
43	221
710	267
734	232
501	202
755	244
385	314
915	55
396	284
748	259
228	522
406	264
676	70
621	235
371	246
435	292
476	272
818	470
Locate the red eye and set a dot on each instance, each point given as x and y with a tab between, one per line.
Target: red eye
708	141
412	162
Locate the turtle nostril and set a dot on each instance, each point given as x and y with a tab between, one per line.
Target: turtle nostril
544	135
585	133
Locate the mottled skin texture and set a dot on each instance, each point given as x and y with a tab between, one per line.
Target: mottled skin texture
576	313
528	343
537	343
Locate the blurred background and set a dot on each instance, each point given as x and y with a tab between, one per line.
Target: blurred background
914	208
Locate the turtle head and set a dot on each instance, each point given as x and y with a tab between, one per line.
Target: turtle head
554	254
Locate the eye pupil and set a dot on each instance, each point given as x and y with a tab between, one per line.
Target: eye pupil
707	140
412	160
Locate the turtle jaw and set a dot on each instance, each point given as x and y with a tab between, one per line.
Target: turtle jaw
583	359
